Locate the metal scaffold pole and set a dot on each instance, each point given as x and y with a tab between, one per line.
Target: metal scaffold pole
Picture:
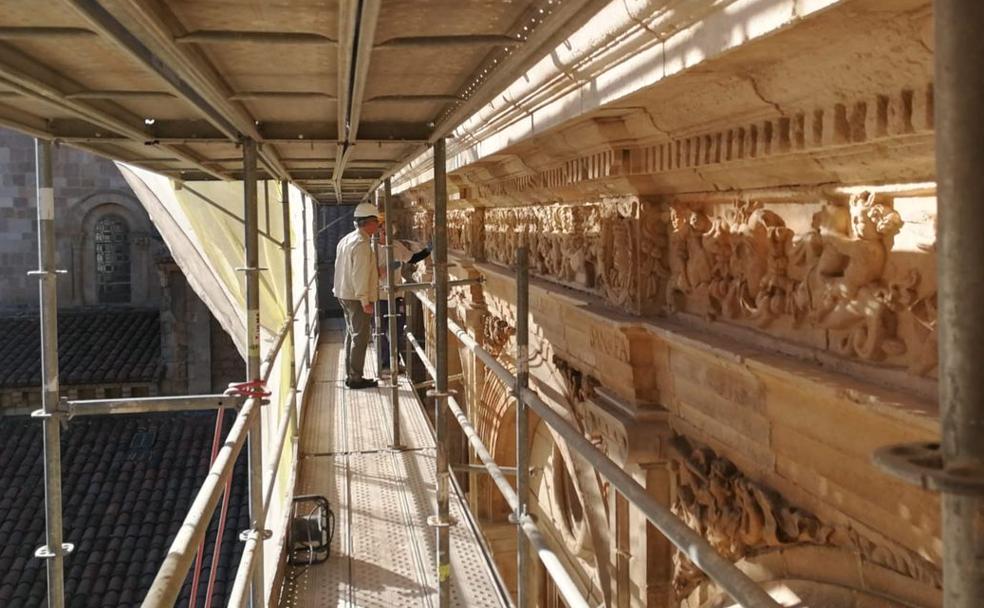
391	315
959	157
54	550
440	392
377	310
289	301
304	271
255	442
522	423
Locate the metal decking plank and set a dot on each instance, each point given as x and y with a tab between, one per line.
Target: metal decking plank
383	550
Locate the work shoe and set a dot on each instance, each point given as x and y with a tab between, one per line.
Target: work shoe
361	383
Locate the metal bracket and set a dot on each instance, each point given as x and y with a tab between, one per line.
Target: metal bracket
435	522
44	552
246	535
45	273
250	269
436	394
921	464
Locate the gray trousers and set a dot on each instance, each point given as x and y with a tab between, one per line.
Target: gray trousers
357	335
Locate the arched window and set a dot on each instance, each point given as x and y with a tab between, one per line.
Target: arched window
112	260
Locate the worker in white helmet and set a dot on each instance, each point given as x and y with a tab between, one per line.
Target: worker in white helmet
357	289
405	254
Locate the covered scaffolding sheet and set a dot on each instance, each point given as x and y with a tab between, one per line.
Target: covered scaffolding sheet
202	224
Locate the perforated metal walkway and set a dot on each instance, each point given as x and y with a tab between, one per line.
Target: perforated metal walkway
383	552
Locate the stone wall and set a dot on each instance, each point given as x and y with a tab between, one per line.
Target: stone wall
87	188
199	356
767	456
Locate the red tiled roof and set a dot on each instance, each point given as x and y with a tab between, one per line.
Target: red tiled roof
103	346
127	484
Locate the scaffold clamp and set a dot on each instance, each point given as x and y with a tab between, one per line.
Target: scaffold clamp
922	464
252	389
45	552
435	521
434	393
246	535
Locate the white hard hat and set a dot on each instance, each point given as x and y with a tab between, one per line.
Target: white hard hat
364	210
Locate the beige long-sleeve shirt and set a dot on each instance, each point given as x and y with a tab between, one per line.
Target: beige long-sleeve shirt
356	272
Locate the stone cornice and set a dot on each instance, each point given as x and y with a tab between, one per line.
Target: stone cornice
626	48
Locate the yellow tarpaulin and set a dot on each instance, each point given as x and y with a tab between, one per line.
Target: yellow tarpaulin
202	224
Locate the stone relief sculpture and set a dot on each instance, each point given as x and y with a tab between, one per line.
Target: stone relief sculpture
595	247
465	228
828	282
745	265
496	333
741	518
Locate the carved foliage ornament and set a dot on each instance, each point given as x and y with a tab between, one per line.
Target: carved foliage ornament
741	518
496	333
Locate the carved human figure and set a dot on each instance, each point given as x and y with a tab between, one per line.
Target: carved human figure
653	271
845	287
618	260
677	253
573	256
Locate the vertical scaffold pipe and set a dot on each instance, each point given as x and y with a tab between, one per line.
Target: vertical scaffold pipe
441	381
377	310
392	314
959	93
304	272
408	313
289	300
522	423
256	515
53	551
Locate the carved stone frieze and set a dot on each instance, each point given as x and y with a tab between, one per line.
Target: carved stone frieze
465	231
745	265
827	275
613	249
741	518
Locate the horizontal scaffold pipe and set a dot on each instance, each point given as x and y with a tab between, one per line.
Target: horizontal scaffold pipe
564	583
144	405
723	572
268	361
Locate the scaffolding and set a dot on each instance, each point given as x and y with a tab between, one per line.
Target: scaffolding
962	419
245	398
249	397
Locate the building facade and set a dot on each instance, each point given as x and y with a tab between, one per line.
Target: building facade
131	325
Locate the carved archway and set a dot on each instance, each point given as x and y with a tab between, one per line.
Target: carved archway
813	576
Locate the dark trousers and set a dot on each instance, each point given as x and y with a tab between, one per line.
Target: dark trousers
382	342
